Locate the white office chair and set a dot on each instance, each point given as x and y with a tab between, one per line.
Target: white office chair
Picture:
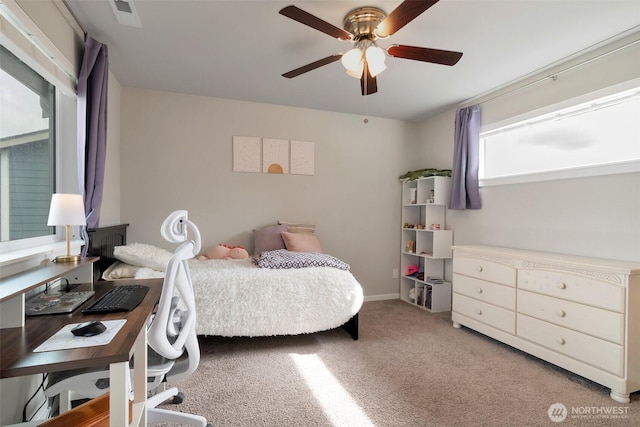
173	351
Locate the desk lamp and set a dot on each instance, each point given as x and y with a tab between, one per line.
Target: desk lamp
67	210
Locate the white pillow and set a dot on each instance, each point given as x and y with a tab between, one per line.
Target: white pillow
143	255
120	270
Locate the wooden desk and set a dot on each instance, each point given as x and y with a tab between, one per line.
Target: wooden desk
13	288
18	343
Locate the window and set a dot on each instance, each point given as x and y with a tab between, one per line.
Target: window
27	150
590	138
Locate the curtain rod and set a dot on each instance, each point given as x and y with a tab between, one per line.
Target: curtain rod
552	76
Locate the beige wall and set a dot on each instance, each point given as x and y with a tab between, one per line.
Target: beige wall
596	216
176	153
110	211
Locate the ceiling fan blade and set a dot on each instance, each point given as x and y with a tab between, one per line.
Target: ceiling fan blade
437	56
312	66
406	12
368	83
314	22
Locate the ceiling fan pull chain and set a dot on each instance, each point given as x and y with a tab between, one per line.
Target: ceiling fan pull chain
365	108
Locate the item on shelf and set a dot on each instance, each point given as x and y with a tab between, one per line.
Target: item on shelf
420	226
411	246
421	173
434	280
413	269
427	293
407	225
435	226
421	293
413	195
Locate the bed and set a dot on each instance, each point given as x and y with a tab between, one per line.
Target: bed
279	292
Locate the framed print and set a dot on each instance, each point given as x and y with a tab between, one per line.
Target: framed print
275	156
246	154
302	158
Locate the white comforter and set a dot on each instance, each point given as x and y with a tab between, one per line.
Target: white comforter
236	298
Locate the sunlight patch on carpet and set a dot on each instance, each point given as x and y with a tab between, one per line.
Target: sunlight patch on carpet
336	402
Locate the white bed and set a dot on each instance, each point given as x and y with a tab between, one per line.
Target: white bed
238	298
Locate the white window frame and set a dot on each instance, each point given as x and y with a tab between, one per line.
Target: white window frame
23	38
576	172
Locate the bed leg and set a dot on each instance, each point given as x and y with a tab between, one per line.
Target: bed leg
352	326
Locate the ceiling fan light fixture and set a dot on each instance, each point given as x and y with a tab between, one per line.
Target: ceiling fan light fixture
356	74
375	60
363	26
353	62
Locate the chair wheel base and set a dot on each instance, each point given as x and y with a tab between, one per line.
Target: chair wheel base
178	398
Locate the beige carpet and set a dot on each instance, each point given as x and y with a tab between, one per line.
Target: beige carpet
409	368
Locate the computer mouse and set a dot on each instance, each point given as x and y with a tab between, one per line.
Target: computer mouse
88	329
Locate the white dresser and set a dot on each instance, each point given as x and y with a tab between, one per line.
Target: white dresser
582	314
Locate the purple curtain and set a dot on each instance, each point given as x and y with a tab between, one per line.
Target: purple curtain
92	130
465	192
92	126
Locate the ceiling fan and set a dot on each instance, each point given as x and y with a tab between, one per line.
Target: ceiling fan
363	26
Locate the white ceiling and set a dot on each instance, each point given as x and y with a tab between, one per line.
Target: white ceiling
239	49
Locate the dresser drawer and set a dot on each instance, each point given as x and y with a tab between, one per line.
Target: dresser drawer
604	324
496	317
485	270
503	296
573	288
596	352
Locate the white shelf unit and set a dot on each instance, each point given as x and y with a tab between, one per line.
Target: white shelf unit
424	204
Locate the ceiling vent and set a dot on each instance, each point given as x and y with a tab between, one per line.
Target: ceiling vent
126	13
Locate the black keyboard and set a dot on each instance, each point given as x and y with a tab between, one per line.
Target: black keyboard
119	298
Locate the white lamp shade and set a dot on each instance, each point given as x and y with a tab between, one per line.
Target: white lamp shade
66	209
353	62
375	60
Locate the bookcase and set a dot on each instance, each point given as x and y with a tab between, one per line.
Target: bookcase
426	243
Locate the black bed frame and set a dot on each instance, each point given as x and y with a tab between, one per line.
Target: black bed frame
102	240
101	243
352	326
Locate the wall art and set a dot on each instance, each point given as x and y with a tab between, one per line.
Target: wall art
275	156
246	154
302	158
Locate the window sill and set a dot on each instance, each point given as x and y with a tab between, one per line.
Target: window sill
596	170
38	253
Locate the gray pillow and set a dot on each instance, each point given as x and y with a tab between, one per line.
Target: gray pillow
268	238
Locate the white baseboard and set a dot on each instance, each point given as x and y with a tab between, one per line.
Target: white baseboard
381	297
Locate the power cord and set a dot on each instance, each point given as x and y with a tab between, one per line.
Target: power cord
46	286
40	387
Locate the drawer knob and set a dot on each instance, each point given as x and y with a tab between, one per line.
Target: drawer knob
478	311
561	285
479	290
479	268
560	313
560	340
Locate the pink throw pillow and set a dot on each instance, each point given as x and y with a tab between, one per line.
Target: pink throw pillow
301	242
